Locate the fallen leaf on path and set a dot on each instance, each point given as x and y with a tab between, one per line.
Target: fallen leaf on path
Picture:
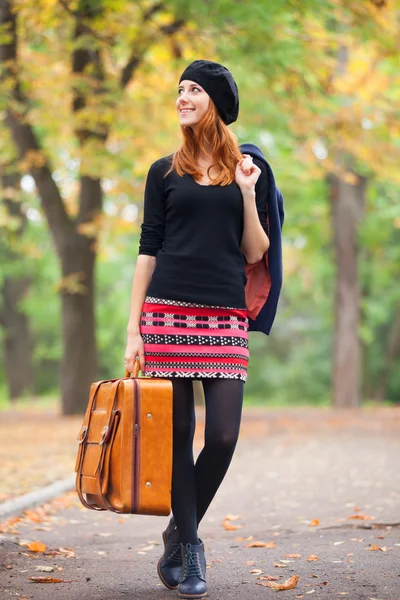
268	578
286	560
261	545
256	571
337	543
250	562
45	568
61	551
229	526
49	580
293	556
362	517
313	557
233	517
314	523
310	592
289	584
242	539
313	575
279	566
35	546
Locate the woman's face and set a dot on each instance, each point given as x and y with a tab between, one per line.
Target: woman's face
192	103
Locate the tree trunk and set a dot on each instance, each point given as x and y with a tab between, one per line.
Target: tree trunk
75	251
79	362
347	209
392	352
18	343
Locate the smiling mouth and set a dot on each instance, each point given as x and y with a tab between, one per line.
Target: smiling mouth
187	110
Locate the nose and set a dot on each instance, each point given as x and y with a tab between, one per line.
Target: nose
182	99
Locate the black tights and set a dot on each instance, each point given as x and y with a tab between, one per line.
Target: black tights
195	485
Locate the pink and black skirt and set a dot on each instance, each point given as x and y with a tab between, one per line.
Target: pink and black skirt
184	339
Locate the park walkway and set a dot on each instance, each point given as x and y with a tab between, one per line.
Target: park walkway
312	492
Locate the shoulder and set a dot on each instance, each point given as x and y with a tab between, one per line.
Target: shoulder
162	163
159	167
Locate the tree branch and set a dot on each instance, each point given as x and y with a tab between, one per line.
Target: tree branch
25	139
137	56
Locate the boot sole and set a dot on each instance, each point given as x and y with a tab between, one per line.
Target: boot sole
167	585
192	595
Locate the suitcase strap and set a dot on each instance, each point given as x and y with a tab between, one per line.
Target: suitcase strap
106	441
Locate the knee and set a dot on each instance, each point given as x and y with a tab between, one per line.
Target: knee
183	433
221	441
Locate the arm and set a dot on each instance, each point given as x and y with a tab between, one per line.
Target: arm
143	273
151	240
255	240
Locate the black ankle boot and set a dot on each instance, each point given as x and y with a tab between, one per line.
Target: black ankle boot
192	583
169	566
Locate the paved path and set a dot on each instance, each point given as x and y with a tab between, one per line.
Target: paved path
296	479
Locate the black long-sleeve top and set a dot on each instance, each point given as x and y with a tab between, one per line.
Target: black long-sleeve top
195	233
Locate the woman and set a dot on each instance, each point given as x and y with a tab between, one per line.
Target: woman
204	217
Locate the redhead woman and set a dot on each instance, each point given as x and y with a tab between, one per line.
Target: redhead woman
204	217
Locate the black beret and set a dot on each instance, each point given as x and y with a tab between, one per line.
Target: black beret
219	84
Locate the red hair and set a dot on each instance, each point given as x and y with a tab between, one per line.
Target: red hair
224	144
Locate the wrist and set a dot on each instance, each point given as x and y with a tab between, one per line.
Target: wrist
249	194
133	329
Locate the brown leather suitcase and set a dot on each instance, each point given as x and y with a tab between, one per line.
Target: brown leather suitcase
124	460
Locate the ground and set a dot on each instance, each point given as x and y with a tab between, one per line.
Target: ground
319	484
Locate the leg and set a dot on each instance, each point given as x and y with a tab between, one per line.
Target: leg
224	400
183	479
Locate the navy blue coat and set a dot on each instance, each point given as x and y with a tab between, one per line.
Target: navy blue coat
265	318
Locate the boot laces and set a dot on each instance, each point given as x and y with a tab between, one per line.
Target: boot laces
192	564
175	555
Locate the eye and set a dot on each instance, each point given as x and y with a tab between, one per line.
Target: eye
193	87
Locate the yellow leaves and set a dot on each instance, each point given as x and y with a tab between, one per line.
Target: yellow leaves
293	556
289	584
33	159
43	579
377	547
314	523
312	557
258	544
91	228
34	546
229	526
72	283
362	517
268	578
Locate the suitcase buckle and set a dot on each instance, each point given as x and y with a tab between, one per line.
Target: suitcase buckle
84	434
104	435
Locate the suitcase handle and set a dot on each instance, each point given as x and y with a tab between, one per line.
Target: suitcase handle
136	369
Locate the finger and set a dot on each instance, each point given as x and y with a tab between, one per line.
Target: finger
141	359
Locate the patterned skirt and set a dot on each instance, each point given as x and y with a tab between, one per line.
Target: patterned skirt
184	339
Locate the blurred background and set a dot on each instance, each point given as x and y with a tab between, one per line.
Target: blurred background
88	90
